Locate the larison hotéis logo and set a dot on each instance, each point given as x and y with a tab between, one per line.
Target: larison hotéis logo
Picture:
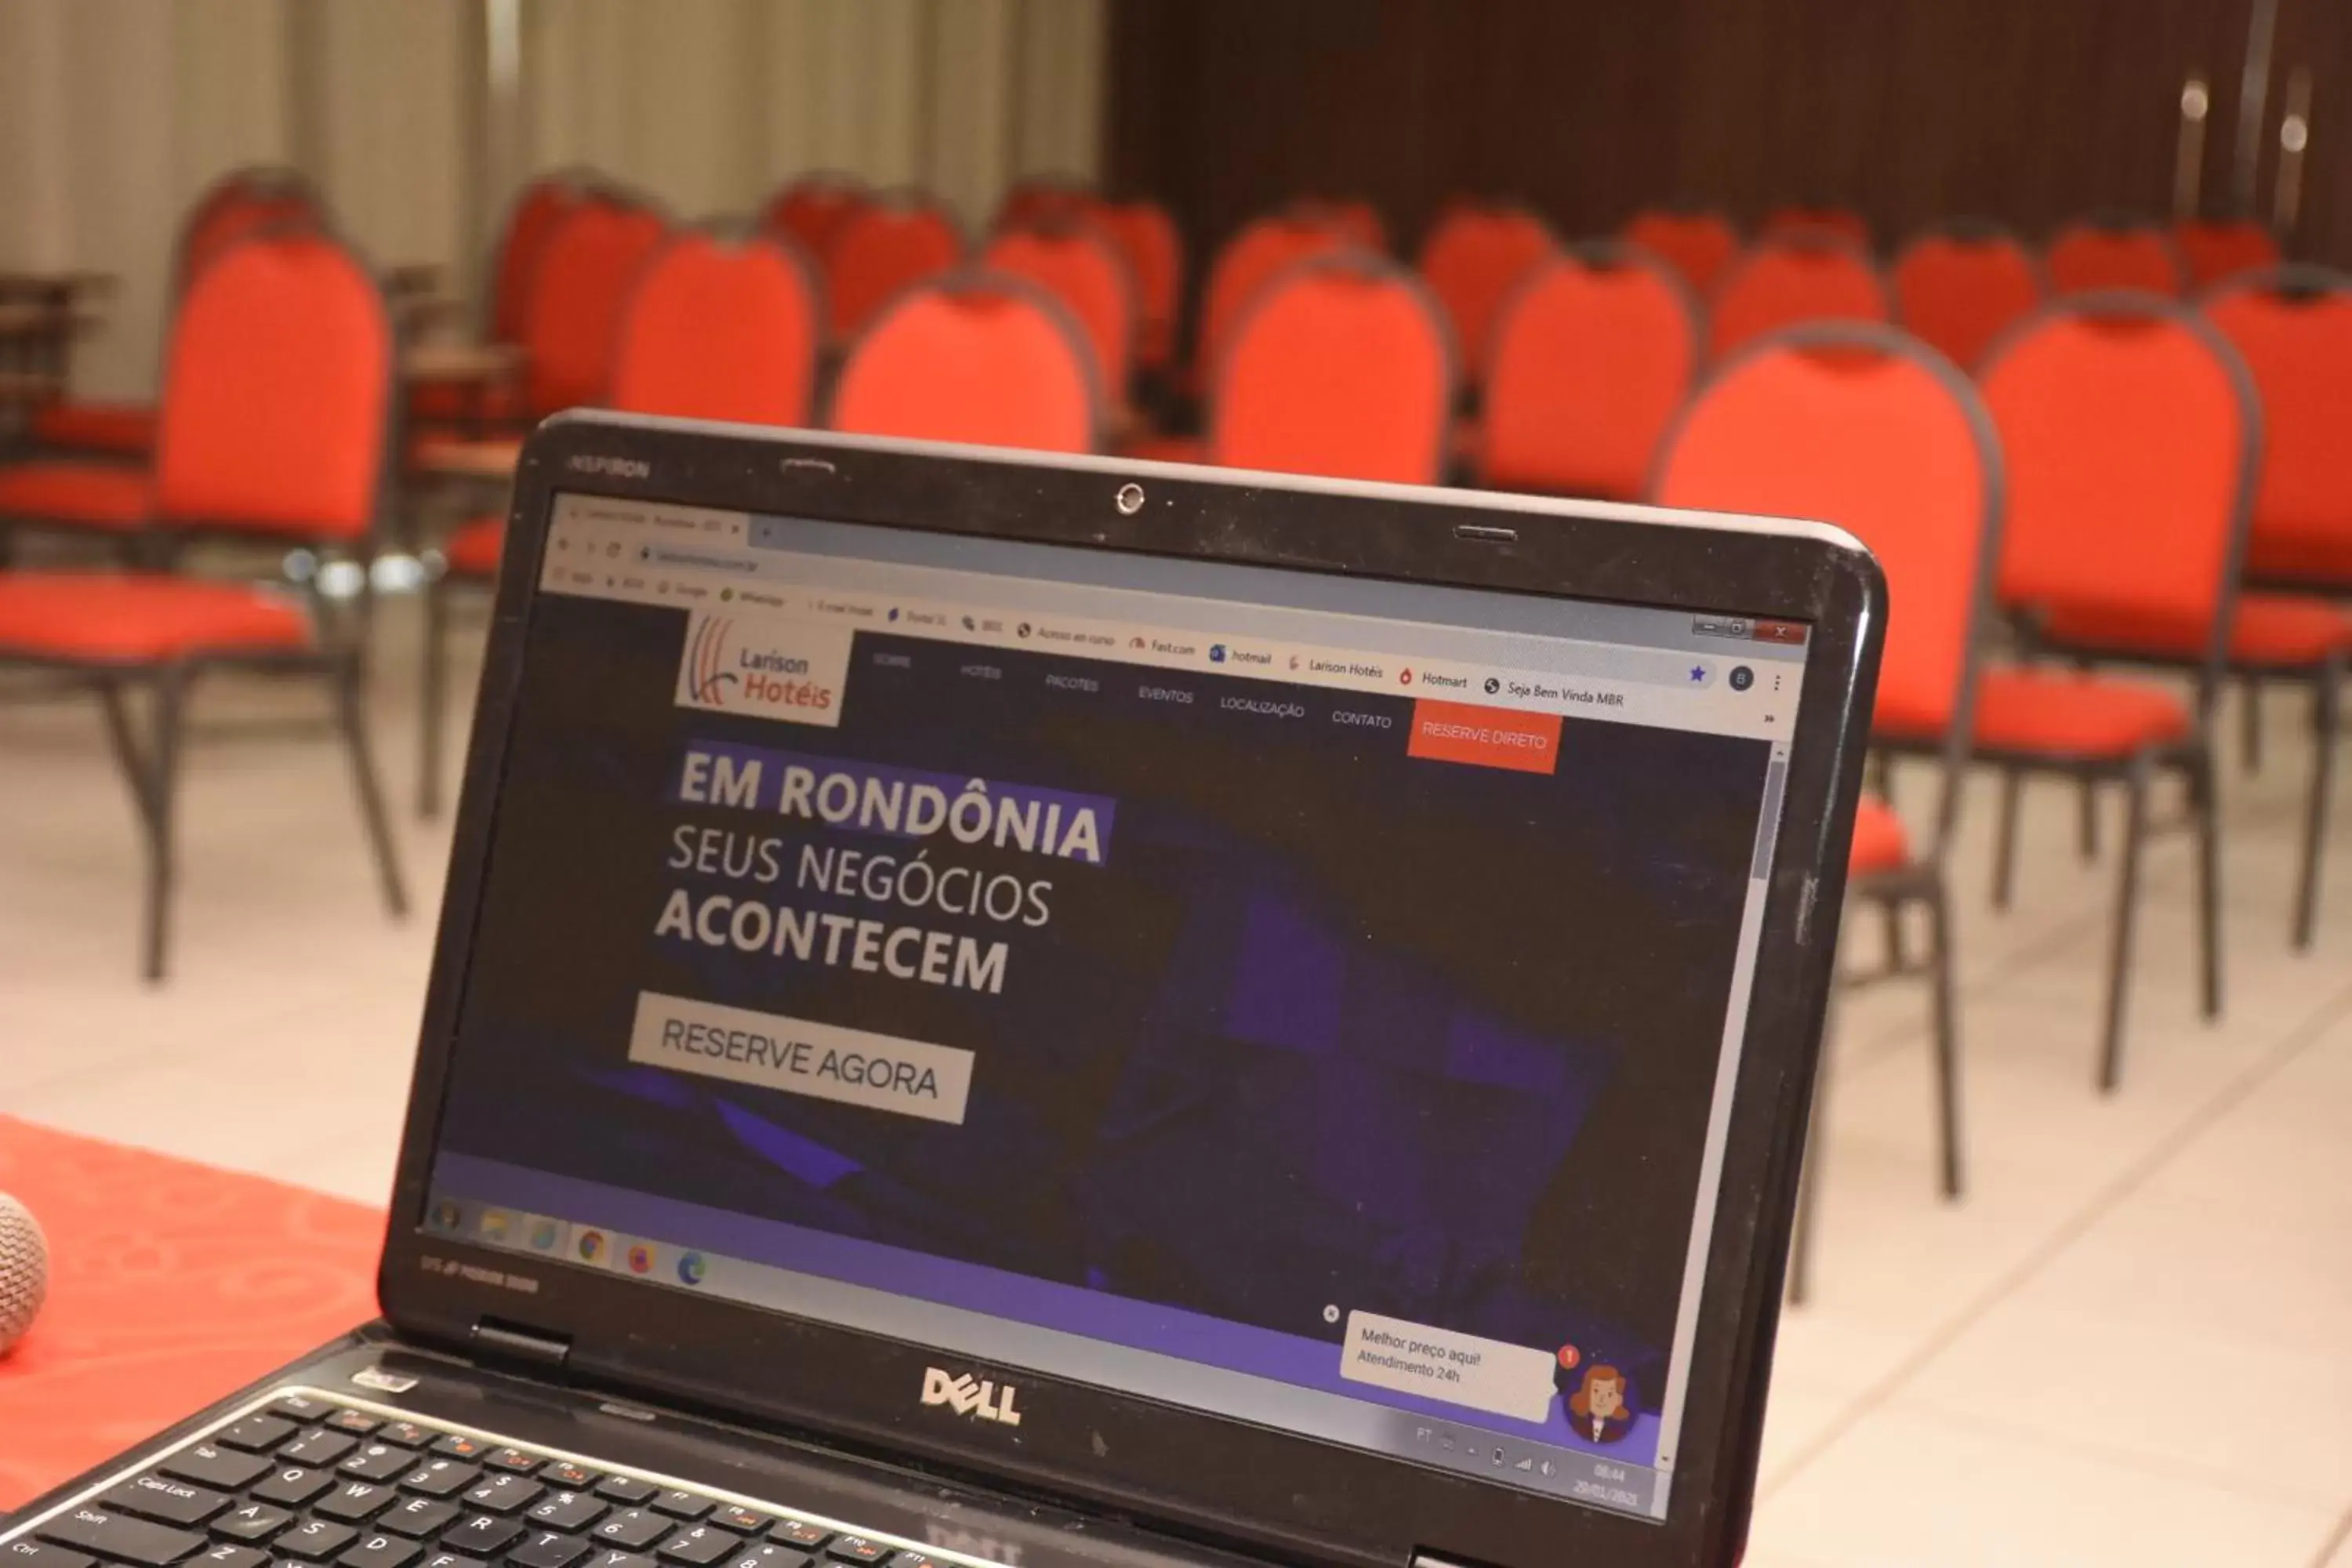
967	1395
772	668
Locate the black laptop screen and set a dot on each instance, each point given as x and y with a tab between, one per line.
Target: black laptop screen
1314	1001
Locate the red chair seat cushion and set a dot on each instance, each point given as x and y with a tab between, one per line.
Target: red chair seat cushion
1879	842
125	428
87	495
171	1285
473	549
2280	630
2320	558
125	618
2059	713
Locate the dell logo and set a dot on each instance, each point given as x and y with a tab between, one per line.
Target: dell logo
967	1397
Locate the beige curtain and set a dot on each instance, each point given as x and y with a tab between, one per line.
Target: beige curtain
115	114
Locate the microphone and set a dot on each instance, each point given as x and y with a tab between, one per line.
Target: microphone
24	1271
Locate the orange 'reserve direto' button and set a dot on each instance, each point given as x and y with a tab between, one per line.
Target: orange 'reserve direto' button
1488	737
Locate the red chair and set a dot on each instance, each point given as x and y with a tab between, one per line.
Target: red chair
1798	220
1789	281
237	204
1474	258
1957	289
1080	264
895	243
1263	248
1698	244
571	315
975	357
1593	356
1048	199
814	208
1155	258
1861	428
1340	367
2111	251
276	409
2216	249
714	326
1352	218
2294	330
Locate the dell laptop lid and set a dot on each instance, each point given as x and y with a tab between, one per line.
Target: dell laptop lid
1281	1009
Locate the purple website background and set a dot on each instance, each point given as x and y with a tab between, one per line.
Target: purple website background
1138	1325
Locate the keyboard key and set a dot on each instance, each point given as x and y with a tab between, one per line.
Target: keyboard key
441	1477
211	1466
700	1546
569	1510
380	1552
357	1422
767	1554
406	1434
355	1502
513	1459
913	1559
314	1540
458	1447
857	1549
319	1447
420	1517
294	1486
23	1553
742	1521
451	1560
569	1476
505	1493
548	1549
301	1407
634	1529
482	1535
616	1558
252	1521
797	1532
379	1462
230	1555
165	1501
121	1538
683	1505
259	1433
628	1490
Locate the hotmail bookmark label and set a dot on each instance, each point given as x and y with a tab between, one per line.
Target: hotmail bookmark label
763	668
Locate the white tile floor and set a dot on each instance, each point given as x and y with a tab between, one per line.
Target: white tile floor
2128	1346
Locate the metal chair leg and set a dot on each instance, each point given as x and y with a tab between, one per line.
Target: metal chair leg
2111	1056
1801	1235
2324	723
162	787
433	697
2004	854
1947	1033
2250	716
2088	823
352	722
2205	803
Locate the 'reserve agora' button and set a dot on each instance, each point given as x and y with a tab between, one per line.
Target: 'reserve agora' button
1487	737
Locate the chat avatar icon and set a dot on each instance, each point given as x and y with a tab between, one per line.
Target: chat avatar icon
1601	1408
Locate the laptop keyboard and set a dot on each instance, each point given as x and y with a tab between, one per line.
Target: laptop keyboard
307	1483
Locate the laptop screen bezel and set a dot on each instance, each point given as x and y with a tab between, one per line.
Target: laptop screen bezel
1193	1473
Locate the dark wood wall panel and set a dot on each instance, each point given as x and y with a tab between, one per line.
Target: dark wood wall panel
2029	111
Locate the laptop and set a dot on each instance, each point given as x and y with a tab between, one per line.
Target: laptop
1061	1013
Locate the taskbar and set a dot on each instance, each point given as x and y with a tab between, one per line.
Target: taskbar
1459	1447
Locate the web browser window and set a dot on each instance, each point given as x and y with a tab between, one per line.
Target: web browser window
1310	1000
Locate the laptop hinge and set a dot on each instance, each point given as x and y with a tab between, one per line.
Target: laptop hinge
513	1342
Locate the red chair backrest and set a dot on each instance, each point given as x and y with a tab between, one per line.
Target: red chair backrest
1264	247
1796	221
720	330
2089	258
1789	282
2128	431
888	247
1698	245
234	207
1354	219
1033	202
1473	258
571	313
812	209
538	210
1339	367
1592	356
975	357
2223	248
1955	291
1081	266
1155	259
2294	331
1860	427
276	395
